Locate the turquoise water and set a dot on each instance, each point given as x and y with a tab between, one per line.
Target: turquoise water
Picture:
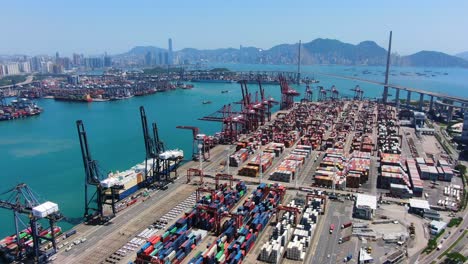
44	151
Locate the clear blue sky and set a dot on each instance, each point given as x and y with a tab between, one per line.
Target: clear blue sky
92	27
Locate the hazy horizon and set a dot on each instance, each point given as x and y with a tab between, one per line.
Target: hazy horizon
87	27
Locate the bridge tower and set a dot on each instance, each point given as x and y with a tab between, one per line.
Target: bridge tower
387	71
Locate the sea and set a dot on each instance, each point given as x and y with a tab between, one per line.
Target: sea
44	151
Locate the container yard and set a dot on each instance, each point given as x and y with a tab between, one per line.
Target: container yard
293	185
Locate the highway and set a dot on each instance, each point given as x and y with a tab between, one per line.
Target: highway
409	89
28	80
455	234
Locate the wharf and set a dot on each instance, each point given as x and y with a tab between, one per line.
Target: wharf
103	241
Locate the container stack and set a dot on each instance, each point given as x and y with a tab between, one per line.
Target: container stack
233	244
239	157
179	239
295	249
416	182
291	165
253	167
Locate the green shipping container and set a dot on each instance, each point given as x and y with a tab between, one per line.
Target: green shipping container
220	254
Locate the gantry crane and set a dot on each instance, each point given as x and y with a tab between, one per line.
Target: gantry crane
287	94
94	178
358	93
267	102
22	201
150	148
322	95
220	176
192	173
290	209
308	94
161	167
334	93
199	140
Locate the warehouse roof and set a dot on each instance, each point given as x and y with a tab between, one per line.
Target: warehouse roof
416	203
366	200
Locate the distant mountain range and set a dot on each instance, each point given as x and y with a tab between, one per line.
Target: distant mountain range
463	55
318	51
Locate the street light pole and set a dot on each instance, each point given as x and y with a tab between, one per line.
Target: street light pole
261	167
227	162
200	146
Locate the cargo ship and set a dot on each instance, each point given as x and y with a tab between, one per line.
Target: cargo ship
74	98
22	107
213	81
9	243
133	178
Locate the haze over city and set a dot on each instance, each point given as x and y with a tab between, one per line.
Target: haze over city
93	27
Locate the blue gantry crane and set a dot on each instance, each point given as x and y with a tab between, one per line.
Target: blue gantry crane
22	201
94	203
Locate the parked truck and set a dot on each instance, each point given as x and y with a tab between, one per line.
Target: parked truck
346	225
344	239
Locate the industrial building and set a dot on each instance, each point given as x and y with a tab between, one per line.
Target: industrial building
436	227
400	190
364	206
417	206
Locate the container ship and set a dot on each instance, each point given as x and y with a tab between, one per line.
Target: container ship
133	178
8	243
22	107
213	81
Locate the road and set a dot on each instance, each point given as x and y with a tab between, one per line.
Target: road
28	80
327	244
455	234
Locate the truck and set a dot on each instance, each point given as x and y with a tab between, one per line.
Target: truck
332	227
348	258
346	225
344	239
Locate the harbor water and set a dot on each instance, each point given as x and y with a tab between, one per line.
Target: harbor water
44	151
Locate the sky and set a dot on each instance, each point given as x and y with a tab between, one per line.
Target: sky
94	27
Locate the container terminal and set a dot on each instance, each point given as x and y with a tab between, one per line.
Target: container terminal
317	182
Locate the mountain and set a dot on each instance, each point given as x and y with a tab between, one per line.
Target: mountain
318	51
433	59
142	50
463	55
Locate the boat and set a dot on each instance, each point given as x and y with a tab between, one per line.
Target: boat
213	80
133	179
19	108
186	86
9	243
206	102
225	91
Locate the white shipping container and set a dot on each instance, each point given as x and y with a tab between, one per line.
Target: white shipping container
45	209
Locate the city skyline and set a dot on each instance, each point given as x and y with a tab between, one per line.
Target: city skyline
65	27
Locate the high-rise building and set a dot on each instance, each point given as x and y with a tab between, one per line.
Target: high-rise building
166	58
160	61
12	69
57	69
57	56
25	67
2	70
107	60
77	60
36	63
148	58
170	55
